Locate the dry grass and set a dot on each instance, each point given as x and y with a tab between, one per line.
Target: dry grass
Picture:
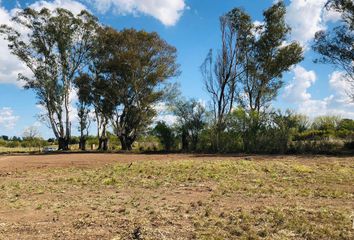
16	149
301	198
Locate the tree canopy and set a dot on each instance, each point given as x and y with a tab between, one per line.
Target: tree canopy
55	47
336	46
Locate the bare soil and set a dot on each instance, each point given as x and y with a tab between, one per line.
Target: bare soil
175	196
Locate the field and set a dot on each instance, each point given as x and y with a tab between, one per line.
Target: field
16	149
115	196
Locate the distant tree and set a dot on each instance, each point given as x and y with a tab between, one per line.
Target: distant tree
32	137
6	138
302	122
138	67
54	48
75	140
15	138
336	46
165	134
82	84
31	132
285	126
346	124
191	121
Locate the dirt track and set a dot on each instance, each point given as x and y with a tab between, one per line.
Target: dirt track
88	160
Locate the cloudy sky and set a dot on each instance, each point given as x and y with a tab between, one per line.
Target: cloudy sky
192	27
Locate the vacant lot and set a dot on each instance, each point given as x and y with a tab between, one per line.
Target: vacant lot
113	196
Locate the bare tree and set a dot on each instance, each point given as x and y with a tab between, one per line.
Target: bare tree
32	137
220	77
31	132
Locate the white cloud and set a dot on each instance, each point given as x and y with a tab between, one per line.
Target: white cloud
164	114
306	17
340	86
297	90
10	65
338	103
73	111
74	6
7	118
168	12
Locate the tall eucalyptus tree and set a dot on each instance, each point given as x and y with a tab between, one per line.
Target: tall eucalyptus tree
54	46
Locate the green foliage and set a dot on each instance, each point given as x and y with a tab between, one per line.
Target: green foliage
336	45
190	122
346	124
248	69
13	144
82	84
141	65
128	77
91	140
4	137
326	123
165	134
264	58
314	134
54	48
277	132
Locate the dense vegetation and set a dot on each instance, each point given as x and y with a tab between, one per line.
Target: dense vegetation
122	76
278	133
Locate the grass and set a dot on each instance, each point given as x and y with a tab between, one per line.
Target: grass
189	199
16	150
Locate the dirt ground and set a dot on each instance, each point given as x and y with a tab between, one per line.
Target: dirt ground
175	196
83	160
23	162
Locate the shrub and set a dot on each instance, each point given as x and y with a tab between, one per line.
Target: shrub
13	144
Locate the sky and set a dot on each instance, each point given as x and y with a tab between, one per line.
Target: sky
192	26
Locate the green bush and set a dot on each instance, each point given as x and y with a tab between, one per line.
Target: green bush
13	144
317	147
165	134
2	143
314	135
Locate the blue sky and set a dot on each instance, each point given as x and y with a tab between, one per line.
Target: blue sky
192	27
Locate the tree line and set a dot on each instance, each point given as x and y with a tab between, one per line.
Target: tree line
278	132
121	76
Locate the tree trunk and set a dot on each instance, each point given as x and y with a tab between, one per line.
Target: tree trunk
103	144
184	141
99	144
219	129
126	143
194	142
63	144
82	143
